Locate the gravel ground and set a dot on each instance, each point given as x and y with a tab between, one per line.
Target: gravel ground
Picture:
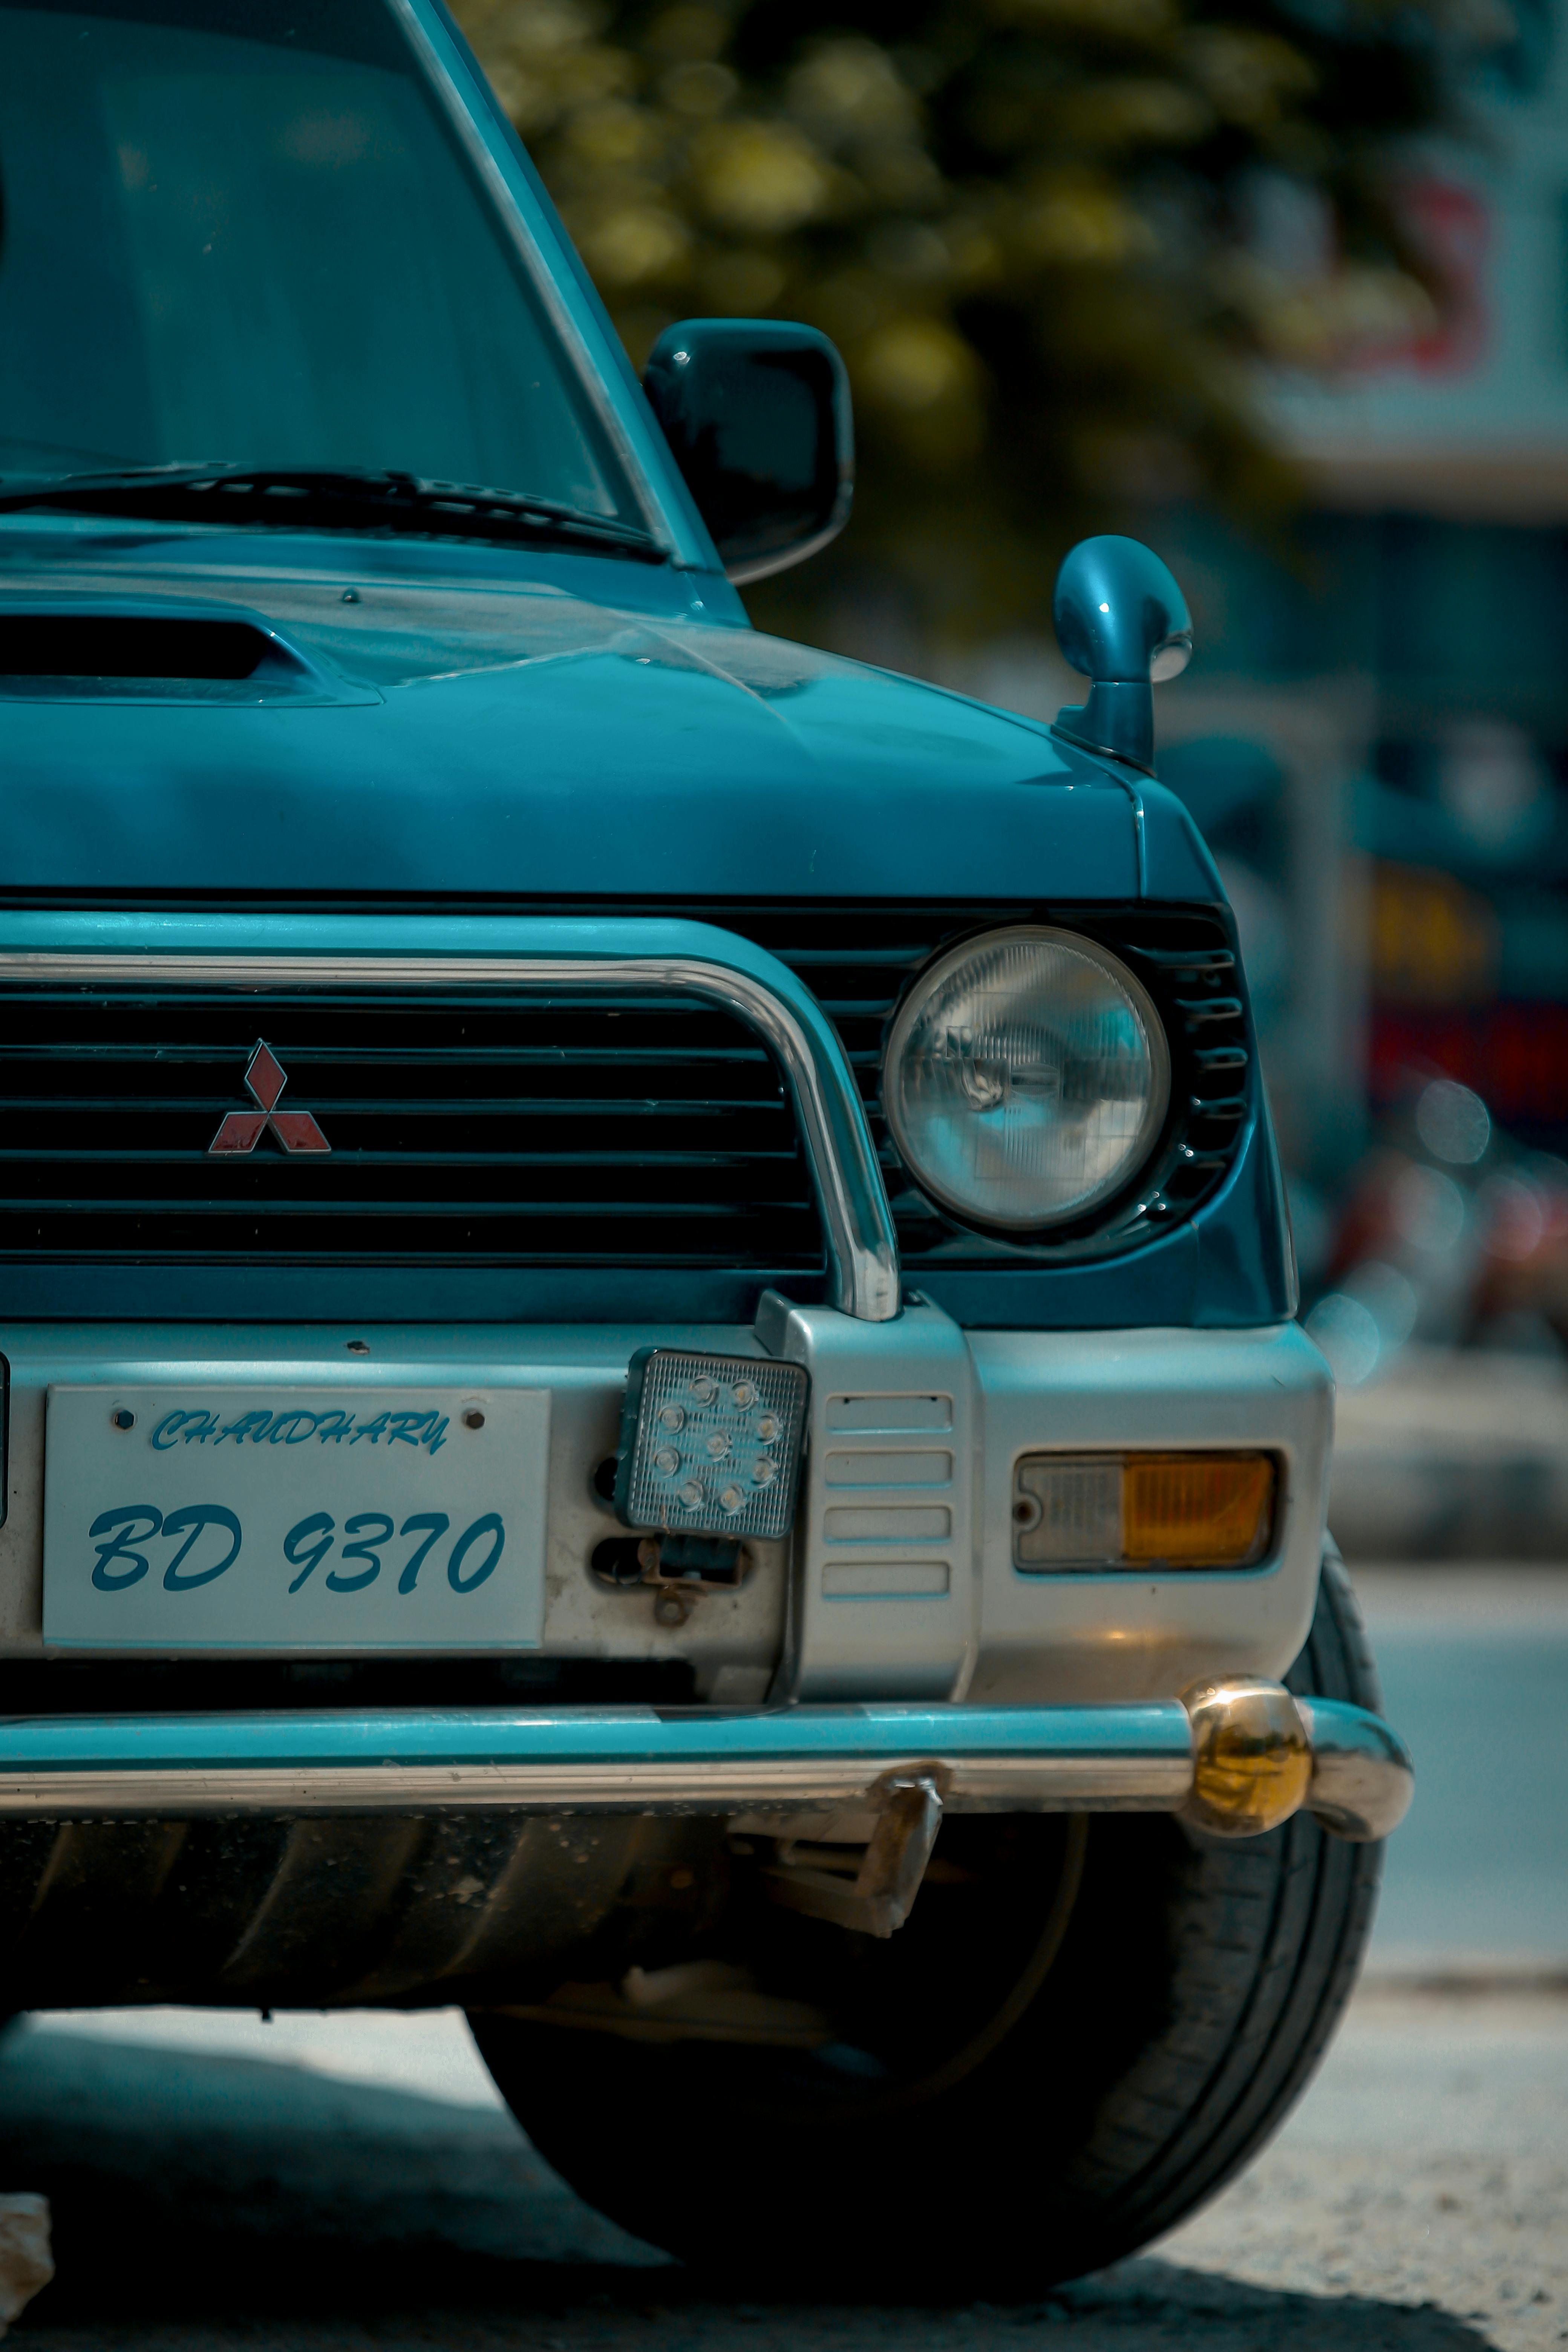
1424	2175
360	2188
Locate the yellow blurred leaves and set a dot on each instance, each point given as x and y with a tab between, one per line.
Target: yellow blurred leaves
921	377
633	244
700	87
916	365
1035	227
761	178
851	88
611	136
1249	78
1126	113
544	59
528	28
740	284
687	33
1106	20
1082	221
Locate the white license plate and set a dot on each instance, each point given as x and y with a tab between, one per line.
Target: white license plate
294	1519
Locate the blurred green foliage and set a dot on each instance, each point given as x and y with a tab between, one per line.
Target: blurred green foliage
1050	236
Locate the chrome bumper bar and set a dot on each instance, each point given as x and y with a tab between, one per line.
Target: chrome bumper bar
1143	1758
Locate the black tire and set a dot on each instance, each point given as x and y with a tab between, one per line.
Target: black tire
1086	2029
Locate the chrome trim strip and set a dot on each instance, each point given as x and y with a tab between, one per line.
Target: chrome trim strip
629	1760
428	42
1097	1785
861	1246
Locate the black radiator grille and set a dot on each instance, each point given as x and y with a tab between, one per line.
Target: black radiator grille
610	1132
614	1132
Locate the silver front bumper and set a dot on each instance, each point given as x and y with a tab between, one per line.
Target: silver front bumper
899	1584
776	1763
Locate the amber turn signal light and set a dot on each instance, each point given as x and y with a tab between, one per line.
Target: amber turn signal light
1143	1510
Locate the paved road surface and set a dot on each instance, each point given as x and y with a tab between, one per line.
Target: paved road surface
1474	1676
328	2184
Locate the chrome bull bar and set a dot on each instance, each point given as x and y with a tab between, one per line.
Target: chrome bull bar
1237	1759
546	956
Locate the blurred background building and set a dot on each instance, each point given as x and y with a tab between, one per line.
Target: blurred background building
1282	287
1403	846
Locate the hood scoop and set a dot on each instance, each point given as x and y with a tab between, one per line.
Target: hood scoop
61	652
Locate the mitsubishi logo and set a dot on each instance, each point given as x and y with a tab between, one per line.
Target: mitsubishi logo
242	1129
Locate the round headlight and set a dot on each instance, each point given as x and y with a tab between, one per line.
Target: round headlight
1026	1078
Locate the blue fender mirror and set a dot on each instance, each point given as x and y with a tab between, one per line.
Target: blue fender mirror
1123	621
757	415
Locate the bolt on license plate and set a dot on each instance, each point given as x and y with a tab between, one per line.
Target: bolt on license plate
294	1519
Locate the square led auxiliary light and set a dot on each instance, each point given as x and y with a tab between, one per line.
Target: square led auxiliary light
710	1445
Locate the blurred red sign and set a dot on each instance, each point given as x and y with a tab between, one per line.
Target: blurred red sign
1514	1055
1450	224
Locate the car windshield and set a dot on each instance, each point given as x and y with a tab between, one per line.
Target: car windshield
243	233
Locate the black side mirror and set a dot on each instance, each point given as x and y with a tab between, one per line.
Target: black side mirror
1122	619
757	416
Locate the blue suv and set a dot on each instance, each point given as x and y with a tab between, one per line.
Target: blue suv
646	1301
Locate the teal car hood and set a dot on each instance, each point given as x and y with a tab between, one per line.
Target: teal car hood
473	728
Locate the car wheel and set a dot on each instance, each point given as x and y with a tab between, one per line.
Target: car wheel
1088	2025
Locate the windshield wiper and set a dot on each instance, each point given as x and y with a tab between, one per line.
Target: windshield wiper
311	498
